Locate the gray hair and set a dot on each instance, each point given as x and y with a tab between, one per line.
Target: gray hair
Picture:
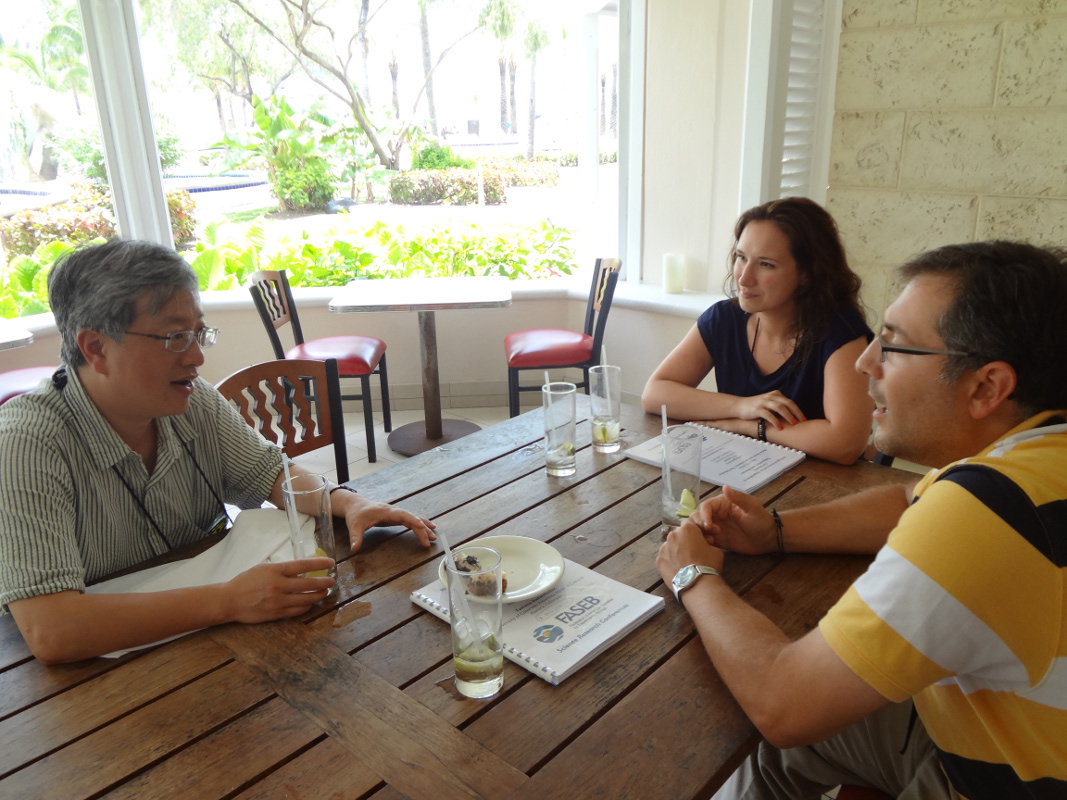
100	288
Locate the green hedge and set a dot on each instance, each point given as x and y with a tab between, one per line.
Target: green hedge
424	187
87	214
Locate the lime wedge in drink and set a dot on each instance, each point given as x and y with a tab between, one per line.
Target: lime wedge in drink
319	573
605	431
687	506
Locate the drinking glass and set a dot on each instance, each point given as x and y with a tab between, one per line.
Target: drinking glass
474	608
559	428
681	473
605	390
307	505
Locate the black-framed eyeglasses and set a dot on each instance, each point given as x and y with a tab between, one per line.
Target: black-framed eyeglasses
180	341
884	348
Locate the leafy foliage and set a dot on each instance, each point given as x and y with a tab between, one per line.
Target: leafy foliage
456	186
291	146
82	153
88	214
228	253
435	156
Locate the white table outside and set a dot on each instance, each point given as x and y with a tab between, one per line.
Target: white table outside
426	296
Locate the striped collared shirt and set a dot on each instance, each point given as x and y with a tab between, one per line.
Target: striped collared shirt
76	503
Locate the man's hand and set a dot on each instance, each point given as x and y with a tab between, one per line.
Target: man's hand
736	521
273	591
361	514
684	546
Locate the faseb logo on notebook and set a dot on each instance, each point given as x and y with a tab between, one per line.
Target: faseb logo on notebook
578	609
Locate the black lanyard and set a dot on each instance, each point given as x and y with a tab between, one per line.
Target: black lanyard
148	516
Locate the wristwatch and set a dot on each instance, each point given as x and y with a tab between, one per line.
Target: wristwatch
687	576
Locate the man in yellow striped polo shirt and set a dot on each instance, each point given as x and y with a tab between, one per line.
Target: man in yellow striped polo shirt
942	672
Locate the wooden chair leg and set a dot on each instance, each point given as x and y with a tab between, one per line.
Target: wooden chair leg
383	377
368	418
513	391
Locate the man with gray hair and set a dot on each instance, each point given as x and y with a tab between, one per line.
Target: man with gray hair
942	672
127	454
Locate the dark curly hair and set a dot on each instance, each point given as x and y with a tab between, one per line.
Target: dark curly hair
828	283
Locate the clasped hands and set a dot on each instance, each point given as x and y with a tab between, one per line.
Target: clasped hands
731	520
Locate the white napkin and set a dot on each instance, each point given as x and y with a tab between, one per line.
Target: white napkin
258	535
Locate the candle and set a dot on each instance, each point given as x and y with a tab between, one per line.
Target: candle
673	273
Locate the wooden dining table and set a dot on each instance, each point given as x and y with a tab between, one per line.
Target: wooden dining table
356	699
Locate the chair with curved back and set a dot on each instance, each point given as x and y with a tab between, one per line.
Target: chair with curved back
295	403
357	356
555	348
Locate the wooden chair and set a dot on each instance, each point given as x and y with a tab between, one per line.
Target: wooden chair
554	348
295	403
20	381
357	356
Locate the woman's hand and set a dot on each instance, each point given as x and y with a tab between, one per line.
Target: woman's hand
774	407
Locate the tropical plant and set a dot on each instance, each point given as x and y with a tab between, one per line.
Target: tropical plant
24	280
291	147
436	156
536	40
81	152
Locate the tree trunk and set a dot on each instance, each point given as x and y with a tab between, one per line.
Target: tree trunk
503	64
427	64
218	106
533	105
603	98
394	70
512	68
364	47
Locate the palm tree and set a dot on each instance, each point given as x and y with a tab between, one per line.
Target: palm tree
499	17
427	62
60	63
536	40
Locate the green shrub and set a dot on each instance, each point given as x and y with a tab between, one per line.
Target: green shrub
228	253
434	156
82	153
522	172
87	214
456	186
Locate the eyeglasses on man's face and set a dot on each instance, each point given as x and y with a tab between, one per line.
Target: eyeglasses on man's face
884	348
180	341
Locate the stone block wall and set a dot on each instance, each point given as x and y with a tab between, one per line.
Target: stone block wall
950	126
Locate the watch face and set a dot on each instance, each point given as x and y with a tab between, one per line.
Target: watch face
685	576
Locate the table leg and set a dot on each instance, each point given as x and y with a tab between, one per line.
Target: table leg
433	431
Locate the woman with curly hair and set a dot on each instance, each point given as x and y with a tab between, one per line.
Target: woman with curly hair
783	345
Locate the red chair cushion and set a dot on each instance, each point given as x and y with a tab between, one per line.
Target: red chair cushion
356	355
547	347
20	381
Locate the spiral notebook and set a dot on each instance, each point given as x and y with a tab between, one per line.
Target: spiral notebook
730	459
561	631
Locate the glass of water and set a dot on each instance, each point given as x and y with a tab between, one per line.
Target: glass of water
560	416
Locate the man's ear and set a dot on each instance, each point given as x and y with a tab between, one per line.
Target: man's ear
95	348
993	384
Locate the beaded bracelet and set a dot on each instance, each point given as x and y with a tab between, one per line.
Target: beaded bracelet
778	531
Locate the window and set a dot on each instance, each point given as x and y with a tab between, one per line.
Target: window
789	99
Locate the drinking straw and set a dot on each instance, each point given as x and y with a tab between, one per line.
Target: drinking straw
603	354
663	445
464	606
295	531
547	381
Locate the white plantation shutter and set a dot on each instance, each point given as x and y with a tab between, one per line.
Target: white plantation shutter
789	99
